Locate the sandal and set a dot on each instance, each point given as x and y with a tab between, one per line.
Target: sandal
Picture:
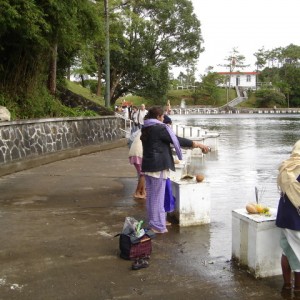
139	196
156	231
140	263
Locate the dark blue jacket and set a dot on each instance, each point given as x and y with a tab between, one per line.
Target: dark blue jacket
157	154
287	214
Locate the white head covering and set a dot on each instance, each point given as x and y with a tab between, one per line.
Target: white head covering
289	171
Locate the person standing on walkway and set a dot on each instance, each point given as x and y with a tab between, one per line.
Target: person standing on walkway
141	115
157	162
288	219
134	119
135	158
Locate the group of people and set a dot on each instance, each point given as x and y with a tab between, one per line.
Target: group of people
132	112
137	117
151	154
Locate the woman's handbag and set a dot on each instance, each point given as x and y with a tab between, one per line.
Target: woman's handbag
132	248
135	242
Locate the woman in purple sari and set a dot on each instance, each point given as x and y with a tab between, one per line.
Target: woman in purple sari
157	138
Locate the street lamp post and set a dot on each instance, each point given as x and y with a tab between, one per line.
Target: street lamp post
228	87
107	57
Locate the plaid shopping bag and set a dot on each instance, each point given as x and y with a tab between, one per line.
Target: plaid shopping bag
132	249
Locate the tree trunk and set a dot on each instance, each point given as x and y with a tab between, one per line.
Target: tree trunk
52	70
114	81
82	80
69	73
99	83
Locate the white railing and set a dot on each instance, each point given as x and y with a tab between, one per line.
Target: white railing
127	124
197	134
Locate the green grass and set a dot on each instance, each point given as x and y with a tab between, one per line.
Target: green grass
134	100
175	97
249	103
85	92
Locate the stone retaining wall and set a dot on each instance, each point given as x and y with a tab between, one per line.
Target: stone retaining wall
26	139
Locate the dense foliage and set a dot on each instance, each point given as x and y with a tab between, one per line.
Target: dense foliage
38	41
147	38
42	41
208	92
270	98
280	68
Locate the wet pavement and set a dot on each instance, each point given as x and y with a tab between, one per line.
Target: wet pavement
58	223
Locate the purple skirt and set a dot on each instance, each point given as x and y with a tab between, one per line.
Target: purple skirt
155	200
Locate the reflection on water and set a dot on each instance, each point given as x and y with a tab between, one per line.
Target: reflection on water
250	150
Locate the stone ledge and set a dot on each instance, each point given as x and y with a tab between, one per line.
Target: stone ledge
33	162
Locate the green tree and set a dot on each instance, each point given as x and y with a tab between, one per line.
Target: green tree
260	59
290	83
291	54
269	98
23	44
284	73
208	92
234	61
156	36
40	39
72	23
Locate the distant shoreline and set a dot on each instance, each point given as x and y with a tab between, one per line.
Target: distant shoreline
232	110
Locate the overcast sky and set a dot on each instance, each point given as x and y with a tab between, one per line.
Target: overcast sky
247	26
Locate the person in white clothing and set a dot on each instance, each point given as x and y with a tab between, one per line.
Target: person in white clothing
135	158
141	115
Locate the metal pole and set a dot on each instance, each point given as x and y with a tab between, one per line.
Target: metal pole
227	93
107	57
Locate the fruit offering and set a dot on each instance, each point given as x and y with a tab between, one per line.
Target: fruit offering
199	178
206	151
253	208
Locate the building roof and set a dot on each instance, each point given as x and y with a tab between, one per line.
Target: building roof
237	73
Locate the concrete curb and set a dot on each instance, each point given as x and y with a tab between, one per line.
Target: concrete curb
33	162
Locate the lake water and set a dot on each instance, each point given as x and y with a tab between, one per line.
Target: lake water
250	149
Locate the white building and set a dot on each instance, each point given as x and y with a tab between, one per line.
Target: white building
241	79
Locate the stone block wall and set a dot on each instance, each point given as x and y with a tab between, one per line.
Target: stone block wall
31	138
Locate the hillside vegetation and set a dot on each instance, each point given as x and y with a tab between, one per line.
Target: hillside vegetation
85	92
176	96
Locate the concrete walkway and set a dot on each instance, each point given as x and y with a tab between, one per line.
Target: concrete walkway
58	223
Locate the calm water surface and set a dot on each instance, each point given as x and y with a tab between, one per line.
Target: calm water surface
250	149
